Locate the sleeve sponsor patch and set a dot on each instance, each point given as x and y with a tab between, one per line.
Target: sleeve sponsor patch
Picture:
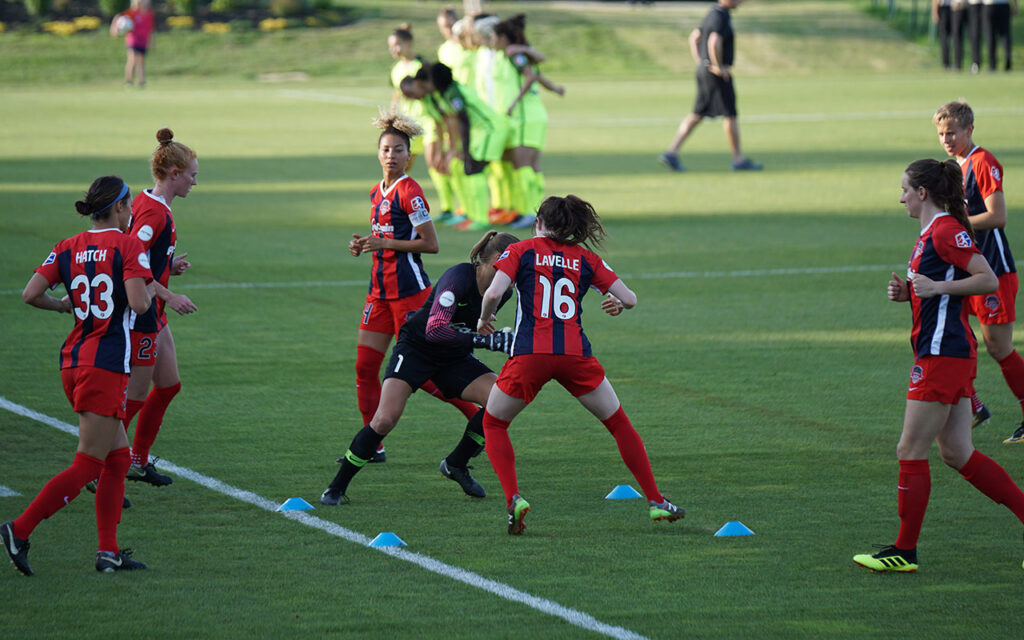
144	260
503	255
994	172
50	259
145	233
447	299
963	240
458	104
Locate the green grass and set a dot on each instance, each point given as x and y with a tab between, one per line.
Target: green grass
775	400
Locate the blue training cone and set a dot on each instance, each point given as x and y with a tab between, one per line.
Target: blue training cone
387	539
622	492
734	528
295	504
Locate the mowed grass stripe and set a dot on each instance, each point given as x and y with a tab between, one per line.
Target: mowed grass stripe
572	616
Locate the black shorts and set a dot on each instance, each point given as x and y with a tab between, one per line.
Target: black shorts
451	377
137	49
715	95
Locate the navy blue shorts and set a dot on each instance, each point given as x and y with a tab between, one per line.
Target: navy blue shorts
451	377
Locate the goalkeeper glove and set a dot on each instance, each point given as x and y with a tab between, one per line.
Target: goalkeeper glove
498	341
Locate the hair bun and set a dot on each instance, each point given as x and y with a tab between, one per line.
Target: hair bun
406	26
164	136
83	208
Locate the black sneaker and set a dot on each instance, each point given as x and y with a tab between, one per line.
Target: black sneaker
109	562
466	481
980	418
333	497
91	488
379	455
149	475
1017	437
16	548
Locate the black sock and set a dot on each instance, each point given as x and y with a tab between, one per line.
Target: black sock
472	440
362	448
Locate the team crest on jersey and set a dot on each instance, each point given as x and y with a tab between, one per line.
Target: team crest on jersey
918	249
963	240
994	172
992	302
50	258
457	104
503	255
385	207
418	203
916	373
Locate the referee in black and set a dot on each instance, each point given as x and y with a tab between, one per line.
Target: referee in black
713	46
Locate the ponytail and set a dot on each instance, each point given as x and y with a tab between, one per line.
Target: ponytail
493	243
944	183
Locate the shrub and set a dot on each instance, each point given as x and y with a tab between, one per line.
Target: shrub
288	8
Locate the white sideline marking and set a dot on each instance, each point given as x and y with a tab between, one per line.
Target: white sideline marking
572	616
332	98
670	275
7	492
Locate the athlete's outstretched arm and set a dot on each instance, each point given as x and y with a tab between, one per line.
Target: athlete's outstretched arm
623	293
492	297
35	295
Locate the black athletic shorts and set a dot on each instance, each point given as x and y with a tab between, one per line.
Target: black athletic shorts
715	95
451	377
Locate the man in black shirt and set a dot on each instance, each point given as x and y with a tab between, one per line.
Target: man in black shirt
712	46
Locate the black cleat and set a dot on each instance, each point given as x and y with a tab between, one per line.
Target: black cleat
149	475
379	455
16	548
981	417
333	497
91	488
466	481
109	562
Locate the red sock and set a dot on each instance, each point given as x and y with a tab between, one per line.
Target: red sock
501	455
1013	372
976	403
131	407
990	478
633	452
468	409
110	498
59	491
368	361
150	418
915	485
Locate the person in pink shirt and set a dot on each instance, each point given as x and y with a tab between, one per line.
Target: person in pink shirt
137	24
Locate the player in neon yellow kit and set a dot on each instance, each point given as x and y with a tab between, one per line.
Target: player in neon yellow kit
528	116
481	132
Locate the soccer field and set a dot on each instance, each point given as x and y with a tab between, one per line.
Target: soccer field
763	366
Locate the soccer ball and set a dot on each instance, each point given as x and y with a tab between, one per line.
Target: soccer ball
124	25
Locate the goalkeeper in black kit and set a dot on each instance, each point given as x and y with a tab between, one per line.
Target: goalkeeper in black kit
436	343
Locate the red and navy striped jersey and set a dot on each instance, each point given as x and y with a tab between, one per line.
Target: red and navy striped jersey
93	266
983	176
550	280
941	327
153	225
395	213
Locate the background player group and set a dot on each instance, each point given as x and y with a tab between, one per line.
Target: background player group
483	119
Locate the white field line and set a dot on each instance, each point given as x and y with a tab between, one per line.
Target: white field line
760	118
572	616
7	492
667	275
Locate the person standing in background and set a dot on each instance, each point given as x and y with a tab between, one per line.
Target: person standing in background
995	18
136	24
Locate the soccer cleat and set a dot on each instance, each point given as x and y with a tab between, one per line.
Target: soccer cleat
889	559
1017	437
91	488
378	456
665	510
466	481
149	475
109	562
671	161
502	217
747	165
981	417
516	513
445	216
455	220
16	548
333	498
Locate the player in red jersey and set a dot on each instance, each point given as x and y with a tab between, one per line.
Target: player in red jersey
401	229
105	273
154	358
437	343
551	273
986	205
945	267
